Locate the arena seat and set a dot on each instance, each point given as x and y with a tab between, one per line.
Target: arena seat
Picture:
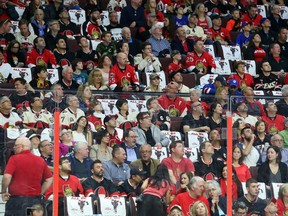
165	62
73	46
254	172
189	80
175	123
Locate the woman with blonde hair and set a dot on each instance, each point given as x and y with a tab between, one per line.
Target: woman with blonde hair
96	80
282	201
104	65
199	209
221	97
204	21
84	94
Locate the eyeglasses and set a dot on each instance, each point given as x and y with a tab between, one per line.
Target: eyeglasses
48	144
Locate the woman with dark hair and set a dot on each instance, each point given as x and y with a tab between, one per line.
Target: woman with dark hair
13	54
81	131
273	170
101	150
169	28
215	117
66	145
146	61
124	47
185	178
104	65
254	50
238	125
151	8
262	138
154	189
242	170
236	184
40	82
29	10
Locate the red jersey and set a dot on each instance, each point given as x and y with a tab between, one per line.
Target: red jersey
66	187
259	54
34	58
114	139
219	35
185	165
274	125
203	62
203	24
174	67
28	171
175	107
91	30
255	21
246	81
97	122
122	77
186	202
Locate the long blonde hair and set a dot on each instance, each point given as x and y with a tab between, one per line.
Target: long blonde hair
193	209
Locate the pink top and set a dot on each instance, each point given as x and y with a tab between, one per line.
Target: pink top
161	192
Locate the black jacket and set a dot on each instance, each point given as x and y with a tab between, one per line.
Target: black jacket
264	173
136	149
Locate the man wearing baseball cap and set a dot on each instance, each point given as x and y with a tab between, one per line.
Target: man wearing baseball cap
115	134
176	64
134	183
176	76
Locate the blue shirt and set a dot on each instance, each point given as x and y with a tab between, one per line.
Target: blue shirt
116	173
181	22
159	45
242	39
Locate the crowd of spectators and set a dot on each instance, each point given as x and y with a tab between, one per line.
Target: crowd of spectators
148	47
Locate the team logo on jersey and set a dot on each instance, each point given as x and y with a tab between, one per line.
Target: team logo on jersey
95	34
124	81
64	62
172	111
40	61
201	68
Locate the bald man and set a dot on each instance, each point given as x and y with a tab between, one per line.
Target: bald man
27	177
122	76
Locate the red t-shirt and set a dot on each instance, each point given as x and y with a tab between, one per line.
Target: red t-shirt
243	172
185	165
203	24
64	184
175	107
186	202
27	172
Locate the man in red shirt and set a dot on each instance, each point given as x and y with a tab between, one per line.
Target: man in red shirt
273	121
173	104
195	193
27	177
199	60
244	79
176	164
69	185
39	55
122	76
252	16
